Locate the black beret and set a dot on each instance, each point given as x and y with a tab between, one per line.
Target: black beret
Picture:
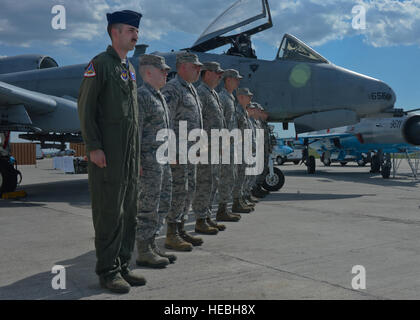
129	17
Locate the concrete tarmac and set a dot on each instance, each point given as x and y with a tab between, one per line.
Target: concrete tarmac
301	242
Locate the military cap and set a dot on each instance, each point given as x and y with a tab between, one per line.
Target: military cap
212	66
184	57
154	60
243	92
258	106
232	73
129	17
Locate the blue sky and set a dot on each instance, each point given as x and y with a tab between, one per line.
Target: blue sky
388	49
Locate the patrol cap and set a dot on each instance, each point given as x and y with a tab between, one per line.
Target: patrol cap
232	73
154	60
212	66
129	17
184	57
243	92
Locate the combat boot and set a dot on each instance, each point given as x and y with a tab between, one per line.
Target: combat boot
202	227
115	283
224	215
195	241
247	202
238	207
174	241
252	199
214	224
147	257
257	193
134	278
171	257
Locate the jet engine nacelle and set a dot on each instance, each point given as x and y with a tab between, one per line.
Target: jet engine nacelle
26	62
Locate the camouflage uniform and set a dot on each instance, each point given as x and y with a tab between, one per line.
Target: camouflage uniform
243	123
108	113
267	151
229	171
156	178
208	174
184	105
251	179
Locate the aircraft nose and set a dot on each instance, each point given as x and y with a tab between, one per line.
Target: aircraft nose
411	130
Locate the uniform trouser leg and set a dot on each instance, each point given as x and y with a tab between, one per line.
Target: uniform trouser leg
215	173
192	186
179	192
261	177
239	182
154	200
165	197
113	204
226	182
203	191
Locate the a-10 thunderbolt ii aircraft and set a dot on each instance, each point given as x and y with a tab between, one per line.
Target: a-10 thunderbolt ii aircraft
372	140
38	98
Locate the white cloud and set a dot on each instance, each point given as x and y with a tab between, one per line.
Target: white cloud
388	22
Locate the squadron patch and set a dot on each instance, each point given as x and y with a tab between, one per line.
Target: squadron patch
124	75
90	71
132	76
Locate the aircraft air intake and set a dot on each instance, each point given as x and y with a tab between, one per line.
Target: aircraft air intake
411	130
26	62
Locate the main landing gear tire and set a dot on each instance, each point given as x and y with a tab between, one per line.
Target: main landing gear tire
8	177
274	182
311	165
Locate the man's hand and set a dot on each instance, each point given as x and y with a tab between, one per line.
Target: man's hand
98	158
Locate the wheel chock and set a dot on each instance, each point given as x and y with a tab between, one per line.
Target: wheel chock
13	195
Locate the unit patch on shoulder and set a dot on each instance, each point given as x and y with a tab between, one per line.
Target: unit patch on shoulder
124	75
90	71
132	76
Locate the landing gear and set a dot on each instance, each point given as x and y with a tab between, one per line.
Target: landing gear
274	180
343	163
307	159
386	166
311	165
325	160
8	176
375	164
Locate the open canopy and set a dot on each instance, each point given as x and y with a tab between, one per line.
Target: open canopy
238	15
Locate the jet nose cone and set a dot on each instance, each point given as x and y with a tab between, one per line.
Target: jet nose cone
411	130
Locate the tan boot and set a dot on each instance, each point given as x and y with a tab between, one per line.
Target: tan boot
195	241
171	257
202	227
214	224
237	206
146	257
174	241
224	215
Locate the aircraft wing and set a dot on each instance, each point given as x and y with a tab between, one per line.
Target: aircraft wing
25	110
325	136
37	103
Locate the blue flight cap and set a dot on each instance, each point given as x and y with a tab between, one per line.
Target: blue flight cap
129	17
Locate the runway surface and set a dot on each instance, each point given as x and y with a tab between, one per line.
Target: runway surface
301	242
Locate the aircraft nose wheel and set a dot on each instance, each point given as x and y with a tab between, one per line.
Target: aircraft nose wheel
274	182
